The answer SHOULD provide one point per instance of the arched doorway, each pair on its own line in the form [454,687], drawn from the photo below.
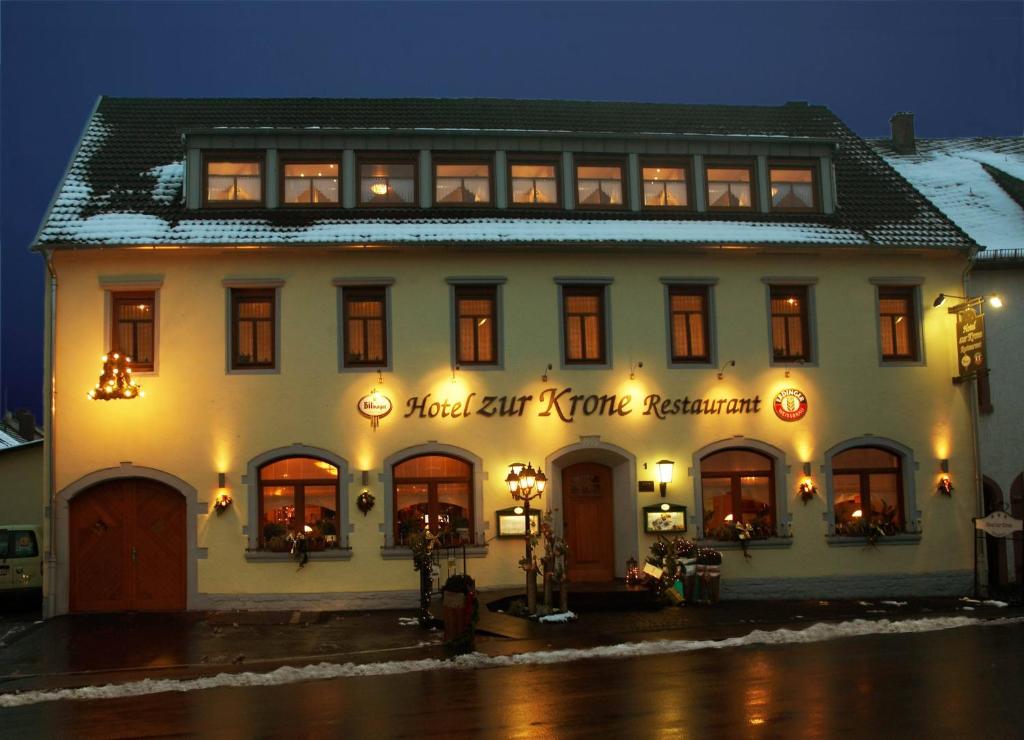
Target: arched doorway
[588,521]
[127,545]
[995,548]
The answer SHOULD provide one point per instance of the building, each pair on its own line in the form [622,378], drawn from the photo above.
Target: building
[21,470]
[979,184]
[326,298]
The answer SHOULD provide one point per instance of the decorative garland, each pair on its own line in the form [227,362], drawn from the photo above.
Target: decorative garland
[116,380]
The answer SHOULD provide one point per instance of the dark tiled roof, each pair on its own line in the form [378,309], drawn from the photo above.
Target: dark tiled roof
[124,185]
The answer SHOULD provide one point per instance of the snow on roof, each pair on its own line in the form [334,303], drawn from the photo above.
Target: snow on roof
[952,174]
[126,182]
[144,229]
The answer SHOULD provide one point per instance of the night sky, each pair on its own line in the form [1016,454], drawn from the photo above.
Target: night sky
[957,66]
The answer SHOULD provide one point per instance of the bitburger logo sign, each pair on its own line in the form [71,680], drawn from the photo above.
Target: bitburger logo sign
[790,404]
[374,406]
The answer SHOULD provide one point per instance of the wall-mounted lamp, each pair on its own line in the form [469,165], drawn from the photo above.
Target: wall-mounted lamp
[790,367]
[365,477]
[993,300]
[380,378]
[544,374]
[633,367]
[455,369]
[721,373]
[945,485]
[807,489]
[223,500]
[664,475]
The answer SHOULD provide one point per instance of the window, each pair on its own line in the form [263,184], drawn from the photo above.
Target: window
[534,183]
[476,324]
[433,492]
[387,183]
[584,324]
[665,185]
[688,314]
[738,486]
[790,333]
[897,324]
[730,186]
[132,331]
[311,183]
[462,183]
[365,320]
[794,187]
[867,491]
[599,186]
[253,318]
[298,494]
[234,181]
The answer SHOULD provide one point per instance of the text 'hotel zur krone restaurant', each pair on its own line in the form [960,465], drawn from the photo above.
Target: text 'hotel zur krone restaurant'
[341,321]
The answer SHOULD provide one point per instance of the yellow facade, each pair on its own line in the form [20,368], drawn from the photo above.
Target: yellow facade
[197,419]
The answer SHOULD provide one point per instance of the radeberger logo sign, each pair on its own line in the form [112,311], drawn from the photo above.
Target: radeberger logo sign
[790,405]
[374,406]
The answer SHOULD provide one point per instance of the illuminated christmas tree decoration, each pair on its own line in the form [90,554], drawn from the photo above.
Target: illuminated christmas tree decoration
[116,380]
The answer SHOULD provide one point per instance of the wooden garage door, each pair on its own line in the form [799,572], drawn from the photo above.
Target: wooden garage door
[127,540]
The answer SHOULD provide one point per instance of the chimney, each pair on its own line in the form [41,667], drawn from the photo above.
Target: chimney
[26,424]
[903,133]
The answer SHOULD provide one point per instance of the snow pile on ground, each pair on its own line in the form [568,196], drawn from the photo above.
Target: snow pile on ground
[11,633]
[815,633]
[408,621]
[563,617]
[895,603]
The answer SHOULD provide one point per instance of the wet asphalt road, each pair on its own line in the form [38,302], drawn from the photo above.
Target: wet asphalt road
[967,683]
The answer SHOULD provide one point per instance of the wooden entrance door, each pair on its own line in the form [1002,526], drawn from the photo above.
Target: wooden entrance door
[127,547]
[589,521]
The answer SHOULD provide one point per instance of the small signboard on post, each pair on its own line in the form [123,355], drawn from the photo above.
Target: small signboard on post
[999,524]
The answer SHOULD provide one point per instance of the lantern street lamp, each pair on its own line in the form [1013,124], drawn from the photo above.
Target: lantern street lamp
[526,484]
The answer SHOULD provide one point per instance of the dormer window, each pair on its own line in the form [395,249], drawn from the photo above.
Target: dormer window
[234,180]
[534,183]
[463,183]
[794,186]
[599,185]
[730,186]
[665,184]
[387,182]
[311,183]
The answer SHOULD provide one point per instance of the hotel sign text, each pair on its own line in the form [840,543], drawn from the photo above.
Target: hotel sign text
[565,405]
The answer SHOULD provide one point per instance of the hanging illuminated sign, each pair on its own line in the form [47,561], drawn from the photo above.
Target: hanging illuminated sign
[970,340]
[374,406]
[790,404]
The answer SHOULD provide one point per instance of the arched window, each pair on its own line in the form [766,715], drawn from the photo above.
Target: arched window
[435,492]
[867,491]
[298,494]
[738,486]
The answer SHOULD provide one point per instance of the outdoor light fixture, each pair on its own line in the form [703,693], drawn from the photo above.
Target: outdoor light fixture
[223,500]
[365,478]
[945,485]
[993,300]
[633,367]
[664,475]
[807,489]
[544,374]
[721,373]
[526,484]
[455,369]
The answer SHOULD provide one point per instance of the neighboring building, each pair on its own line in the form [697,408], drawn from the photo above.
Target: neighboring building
[979,184]
[593,287]
[21,470]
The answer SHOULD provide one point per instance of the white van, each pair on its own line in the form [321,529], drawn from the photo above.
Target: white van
[21,564]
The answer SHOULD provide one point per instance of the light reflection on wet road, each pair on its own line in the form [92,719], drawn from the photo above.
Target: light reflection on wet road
[960,683]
